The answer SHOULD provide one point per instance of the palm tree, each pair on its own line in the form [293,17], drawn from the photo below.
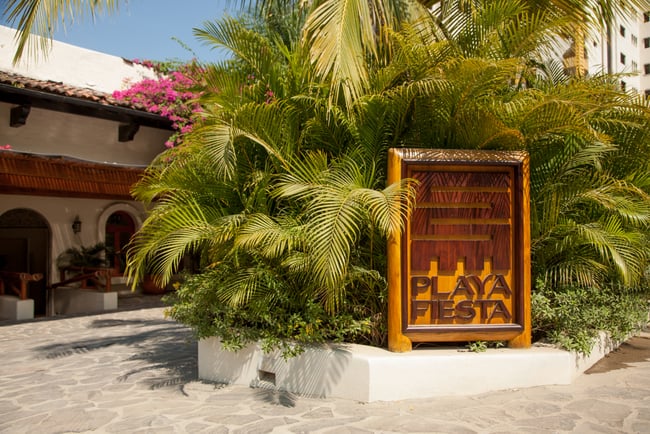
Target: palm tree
[590,205]
[587,140]
[283,195]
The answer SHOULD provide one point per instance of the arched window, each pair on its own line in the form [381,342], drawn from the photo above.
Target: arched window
[120,227]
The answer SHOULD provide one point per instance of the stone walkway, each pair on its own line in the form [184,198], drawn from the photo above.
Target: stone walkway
[135,372]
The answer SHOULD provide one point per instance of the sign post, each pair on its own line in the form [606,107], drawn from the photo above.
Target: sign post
[460,271]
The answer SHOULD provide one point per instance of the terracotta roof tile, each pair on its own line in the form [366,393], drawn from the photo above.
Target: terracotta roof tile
[22,173]
[63,89]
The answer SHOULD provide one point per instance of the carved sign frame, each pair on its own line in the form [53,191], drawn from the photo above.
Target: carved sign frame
[460,271]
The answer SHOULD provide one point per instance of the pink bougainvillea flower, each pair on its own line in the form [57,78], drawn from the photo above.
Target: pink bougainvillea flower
[169,96]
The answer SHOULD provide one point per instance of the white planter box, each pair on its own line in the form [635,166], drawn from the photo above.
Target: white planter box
[67,300]
[13,308]
[369,374]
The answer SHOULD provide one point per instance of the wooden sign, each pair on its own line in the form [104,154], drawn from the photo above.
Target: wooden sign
[461,269]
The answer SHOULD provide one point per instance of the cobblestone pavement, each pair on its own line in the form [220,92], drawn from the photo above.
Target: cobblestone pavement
[135,372]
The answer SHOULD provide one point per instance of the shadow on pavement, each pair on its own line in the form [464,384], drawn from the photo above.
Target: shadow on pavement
[169,354]
[634,350]
[276,397]
[103,323]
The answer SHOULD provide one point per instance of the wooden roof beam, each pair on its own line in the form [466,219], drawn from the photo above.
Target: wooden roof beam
[18,115]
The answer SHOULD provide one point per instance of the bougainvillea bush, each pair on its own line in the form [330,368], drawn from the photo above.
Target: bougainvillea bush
[172,94]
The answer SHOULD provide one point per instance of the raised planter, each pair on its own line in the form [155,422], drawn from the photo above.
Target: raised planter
[13,308]
[367,374]
[71,300]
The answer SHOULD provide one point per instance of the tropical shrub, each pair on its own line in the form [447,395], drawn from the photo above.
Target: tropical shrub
[288,323]
[83,256]
[572,318]
[281,186]
[283,196]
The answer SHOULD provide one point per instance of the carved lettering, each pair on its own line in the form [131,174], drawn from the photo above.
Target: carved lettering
[446,309]
[419,284]
[443,306]
[479,284]
[499,309]
[465,310]
[419,308]
[463,285]
[482,308]
[500,285]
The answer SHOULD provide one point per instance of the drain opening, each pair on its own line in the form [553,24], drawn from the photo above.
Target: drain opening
[268,377]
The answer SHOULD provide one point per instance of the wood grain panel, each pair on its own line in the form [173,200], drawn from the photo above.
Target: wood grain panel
[464,250]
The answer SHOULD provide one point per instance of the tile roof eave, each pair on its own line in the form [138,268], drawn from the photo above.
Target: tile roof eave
[42,175]
[20,90]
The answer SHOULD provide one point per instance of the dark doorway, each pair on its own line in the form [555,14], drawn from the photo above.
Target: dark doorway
[120,227]
[25,248]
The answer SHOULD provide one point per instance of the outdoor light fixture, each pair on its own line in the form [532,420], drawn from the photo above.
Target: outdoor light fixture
[76,225]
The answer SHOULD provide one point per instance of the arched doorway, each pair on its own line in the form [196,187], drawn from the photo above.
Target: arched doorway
[25,247]
[120,227]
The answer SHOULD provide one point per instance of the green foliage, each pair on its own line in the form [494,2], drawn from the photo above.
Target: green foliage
[283,320]
[477,346]
[572,317]
[281,187]
[283,196]
[83,256]
[482,346]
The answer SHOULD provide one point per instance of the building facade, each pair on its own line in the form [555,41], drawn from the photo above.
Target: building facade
[70,155]
[623,48]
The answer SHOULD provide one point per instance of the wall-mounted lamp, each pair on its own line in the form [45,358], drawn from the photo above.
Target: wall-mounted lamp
[76,225]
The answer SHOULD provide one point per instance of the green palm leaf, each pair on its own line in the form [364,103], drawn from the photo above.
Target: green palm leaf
[42,18]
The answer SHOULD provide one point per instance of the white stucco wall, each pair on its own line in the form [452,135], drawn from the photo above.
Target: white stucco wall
[61,212]
[56,133]
[72,65]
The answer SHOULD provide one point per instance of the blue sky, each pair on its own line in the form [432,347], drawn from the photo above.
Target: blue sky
[150,29]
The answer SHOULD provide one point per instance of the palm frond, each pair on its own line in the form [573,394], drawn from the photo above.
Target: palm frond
[339,207]
[269,237]
[37,20]
[247,45]
[171,232]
